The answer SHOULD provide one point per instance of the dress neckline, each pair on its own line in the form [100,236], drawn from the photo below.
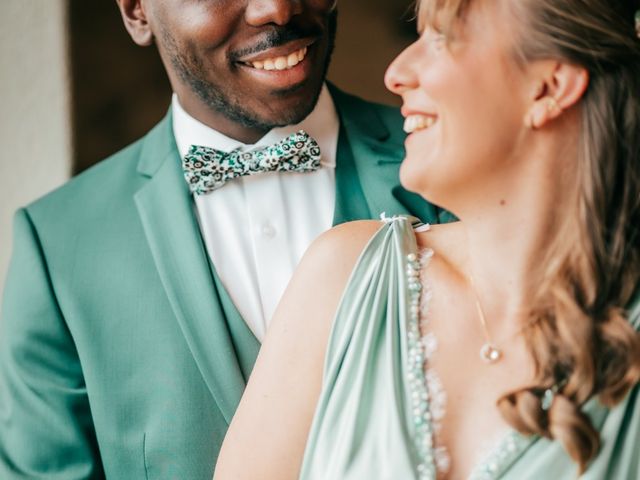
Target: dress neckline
[425,402]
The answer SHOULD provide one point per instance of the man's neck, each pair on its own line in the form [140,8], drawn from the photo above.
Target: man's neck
[222,124]
[322,123]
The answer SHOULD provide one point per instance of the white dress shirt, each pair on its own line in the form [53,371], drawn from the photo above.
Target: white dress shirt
[257,228]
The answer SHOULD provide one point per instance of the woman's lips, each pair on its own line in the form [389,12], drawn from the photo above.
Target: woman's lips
[415,122]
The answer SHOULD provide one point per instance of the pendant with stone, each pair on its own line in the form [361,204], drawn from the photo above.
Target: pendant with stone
[490,353]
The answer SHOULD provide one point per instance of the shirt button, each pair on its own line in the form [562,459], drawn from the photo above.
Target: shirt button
[268,230]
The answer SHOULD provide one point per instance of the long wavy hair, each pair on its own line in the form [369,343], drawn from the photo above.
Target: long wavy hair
[580,340]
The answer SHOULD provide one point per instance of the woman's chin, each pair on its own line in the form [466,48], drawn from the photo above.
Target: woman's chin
[414,176]
[427,186]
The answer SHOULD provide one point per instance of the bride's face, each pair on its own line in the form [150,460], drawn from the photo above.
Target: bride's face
[464,100]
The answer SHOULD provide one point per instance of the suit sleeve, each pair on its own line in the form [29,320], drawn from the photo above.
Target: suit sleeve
[46,430]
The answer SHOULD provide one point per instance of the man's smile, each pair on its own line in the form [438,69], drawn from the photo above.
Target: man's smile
[283,67]
[279,58]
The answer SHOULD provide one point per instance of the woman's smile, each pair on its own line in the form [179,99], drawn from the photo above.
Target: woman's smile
[419,121]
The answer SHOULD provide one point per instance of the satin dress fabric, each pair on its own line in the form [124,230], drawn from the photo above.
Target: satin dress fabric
[364,425]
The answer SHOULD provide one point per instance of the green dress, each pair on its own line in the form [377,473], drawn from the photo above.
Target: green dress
[374,416]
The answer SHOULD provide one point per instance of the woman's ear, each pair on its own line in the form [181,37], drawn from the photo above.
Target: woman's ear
[135,20]
[559,87]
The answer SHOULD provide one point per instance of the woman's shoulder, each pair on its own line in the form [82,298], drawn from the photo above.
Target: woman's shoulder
[343,244]
[359,231]
[331,258]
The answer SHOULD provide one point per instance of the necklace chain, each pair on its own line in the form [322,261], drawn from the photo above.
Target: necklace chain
[489,352]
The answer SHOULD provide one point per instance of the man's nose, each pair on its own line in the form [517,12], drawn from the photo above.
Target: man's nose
[278,12]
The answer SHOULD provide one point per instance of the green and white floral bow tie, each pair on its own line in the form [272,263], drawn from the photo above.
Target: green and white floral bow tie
[207,169]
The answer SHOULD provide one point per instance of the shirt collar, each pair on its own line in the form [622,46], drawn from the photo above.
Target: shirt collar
[322,124]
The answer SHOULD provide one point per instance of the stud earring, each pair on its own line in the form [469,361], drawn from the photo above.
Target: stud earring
[552,105]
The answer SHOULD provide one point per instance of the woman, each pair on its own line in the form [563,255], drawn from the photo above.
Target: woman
[497,346]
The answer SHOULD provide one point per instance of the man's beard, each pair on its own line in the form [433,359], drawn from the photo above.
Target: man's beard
[192,71]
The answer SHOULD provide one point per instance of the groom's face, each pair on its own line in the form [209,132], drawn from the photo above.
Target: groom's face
[246,64]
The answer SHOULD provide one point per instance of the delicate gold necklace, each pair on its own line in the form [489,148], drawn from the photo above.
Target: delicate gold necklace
[489,352]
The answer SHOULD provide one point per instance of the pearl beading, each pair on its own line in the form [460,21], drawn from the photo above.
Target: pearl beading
[422,403]
[493,465]
[420,398]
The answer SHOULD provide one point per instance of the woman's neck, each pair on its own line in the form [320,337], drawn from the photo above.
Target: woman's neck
[507,224]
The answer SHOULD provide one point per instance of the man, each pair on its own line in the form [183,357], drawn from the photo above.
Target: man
[134,306]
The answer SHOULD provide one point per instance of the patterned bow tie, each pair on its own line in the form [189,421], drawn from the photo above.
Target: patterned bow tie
[207,169]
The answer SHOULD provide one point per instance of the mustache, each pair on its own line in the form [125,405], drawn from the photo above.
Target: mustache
[276,37]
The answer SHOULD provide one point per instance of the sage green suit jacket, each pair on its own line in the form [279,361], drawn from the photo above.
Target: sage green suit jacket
[121,355]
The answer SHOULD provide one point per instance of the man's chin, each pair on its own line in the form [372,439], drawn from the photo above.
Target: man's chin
[282,107]
[281,117]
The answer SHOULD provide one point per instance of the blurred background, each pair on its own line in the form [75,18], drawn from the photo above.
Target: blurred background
[75,89]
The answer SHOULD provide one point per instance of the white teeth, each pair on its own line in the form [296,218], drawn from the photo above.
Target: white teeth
[292,60]
[281,63]
[413,123]
[268,65]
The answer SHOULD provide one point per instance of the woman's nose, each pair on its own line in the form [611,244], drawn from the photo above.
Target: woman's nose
[401,74]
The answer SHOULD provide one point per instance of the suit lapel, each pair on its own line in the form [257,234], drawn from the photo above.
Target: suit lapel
[377,154]
[351,203]
[167,213]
